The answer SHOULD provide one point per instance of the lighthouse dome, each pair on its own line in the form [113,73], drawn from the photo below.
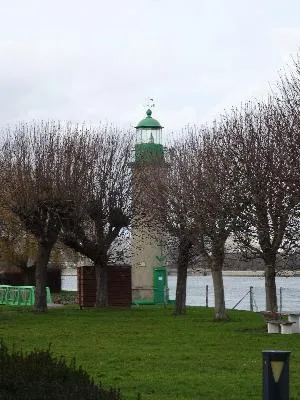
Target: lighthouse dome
[149,122]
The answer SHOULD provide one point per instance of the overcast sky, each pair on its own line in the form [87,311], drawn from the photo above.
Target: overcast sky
[98,60]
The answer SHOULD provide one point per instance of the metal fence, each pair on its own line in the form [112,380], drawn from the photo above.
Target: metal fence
[239,294]
[252,299]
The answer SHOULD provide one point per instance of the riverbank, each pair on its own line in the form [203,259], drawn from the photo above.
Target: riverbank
[258,273]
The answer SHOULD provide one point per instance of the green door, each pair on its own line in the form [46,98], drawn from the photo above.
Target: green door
[160,285]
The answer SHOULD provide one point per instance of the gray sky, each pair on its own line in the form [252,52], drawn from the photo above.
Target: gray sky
[97,60]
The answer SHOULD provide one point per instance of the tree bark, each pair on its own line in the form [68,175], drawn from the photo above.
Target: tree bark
[217,260]
[270,286]
[217,276]
[101,269]
[182,266]
[44,250]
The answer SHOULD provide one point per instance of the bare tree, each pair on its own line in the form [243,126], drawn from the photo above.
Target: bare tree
[35,161]
[179,222]
[162,204]
[196,200]
[104,206]
[217,198]
[269,144]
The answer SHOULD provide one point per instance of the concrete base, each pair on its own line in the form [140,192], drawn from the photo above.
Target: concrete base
[273,327]
[287,328]
[142,293]
[294,318]
[280,326]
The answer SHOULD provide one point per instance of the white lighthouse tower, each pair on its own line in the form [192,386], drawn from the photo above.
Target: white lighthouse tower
[149,275]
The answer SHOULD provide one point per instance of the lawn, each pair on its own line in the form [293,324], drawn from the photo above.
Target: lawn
[147,350]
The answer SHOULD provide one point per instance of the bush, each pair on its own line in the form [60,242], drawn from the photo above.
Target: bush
[39,375]
[65,297]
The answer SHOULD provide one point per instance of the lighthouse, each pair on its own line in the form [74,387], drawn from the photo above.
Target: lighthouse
[149,274]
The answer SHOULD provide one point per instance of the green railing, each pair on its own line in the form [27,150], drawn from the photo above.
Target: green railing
[20,295]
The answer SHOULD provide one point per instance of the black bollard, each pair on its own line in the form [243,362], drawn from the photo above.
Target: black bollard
[276,375]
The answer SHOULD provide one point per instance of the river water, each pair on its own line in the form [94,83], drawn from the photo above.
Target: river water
[237,287]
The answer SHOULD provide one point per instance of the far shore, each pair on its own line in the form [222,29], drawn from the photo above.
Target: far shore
[243,273]
[259,273]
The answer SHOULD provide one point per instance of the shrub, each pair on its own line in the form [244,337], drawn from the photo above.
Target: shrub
[40,375]
[65,297]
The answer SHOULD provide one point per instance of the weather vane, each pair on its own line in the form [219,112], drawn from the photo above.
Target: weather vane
[150,103]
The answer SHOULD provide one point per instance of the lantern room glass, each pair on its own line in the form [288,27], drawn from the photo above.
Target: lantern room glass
[148,135]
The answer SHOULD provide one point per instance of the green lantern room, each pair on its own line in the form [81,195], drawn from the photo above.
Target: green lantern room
[148,144]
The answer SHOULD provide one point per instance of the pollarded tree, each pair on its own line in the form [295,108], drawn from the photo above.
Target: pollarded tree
[196,201]
[163,203]
[269,161]
[218,200]
[104,206]
[41,170]
[179,220]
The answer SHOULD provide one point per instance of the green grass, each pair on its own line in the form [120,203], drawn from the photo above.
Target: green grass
[149,351]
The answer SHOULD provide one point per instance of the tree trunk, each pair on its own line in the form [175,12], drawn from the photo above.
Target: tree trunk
[217,276]
[181,289]
[101,282]
[182,266]
[217,261]
[270,286]
[44,250]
